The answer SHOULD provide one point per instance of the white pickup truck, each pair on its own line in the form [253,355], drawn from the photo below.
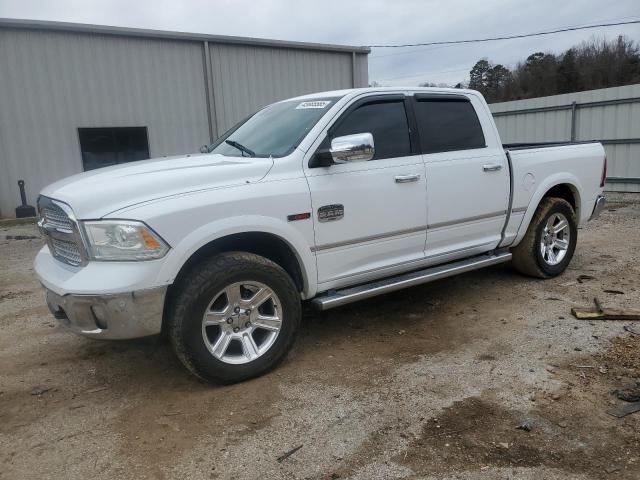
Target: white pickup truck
[332,198]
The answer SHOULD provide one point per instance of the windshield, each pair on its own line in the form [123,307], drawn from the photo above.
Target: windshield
[274,131]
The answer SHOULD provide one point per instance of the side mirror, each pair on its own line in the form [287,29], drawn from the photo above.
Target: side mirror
[204,149]
[352,148]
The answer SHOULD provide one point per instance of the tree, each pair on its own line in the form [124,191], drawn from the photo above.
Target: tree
[590,65]
[489,79]
[568,77]
[498,79]
[478,75]
[538,76]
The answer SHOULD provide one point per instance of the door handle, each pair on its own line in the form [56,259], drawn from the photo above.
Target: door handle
[408,178]
[492,167]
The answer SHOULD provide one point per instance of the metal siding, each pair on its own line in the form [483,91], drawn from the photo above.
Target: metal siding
[552,126]
[362,70]
[91,81]
[246,78]
[601,122]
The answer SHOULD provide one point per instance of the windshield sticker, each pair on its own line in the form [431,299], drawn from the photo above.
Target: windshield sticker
[314,104]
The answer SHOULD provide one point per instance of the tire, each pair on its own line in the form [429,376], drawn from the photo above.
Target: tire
[222,352]
[529,256]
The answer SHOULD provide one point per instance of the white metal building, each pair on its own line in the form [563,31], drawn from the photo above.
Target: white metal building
[75,97]
[610,115]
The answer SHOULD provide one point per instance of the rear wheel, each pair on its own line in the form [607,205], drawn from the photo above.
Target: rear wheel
[548,246]
[234,317]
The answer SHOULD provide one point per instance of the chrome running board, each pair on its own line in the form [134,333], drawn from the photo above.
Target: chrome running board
[336,298]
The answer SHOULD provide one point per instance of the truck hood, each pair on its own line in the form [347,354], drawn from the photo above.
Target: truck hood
[99,192]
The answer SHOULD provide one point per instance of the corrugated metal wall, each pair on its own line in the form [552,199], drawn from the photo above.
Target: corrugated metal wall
[611,115]
[247,77]
[53,82]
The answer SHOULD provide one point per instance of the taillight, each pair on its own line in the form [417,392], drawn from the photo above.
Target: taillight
[604,173]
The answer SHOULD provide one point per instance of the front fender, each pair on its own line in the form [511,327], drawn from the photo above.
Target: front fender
[215,230]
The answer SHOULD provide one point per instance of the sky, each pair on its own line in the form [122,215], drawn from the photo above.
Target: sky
[371,22]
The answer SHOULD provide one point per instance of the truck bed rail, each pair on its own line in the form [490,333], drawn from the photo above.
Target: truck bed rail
[525,146]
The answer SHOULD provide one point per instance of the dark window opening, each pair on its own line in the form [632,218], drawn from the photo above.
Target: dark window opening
[386,121]
[448,125]
[102,147]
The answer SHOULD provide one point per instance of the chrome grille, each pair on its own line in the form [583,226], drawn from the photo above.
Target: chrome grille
[66,251]
[55,217]
[60,228]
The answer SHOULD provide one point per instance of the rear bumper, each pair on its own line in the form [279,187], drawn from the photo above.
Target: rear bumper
[110,317]
[598,207]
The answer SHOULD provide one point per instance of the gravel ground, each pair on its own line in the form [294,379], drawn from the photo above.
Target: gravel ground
[428,383]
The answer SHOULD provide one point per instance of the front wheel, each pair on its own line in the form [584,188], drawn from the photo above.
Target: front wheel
[234,317]
[548,246]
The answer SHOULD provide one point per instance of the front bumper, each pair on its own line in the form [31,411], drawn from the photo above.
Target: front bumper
[110,316]
[598,207]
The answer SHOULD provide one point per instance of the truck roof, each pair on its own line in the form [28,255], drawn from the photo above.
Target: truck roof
[342,93]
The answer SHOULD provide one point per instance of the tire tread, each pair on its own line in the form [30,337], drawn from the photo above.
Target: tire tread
[195,283]
[524,257]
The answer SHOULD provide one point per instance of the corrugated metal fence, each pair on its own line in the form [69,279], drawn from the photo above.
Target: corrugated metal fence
[610,115]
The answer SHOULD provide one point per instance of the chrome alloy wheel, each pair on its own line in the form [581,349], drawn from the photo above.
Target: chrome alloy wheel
[242,322]
[555,239]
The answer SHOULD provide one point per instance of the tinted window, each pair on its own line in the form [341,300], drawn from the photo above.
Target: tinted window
[273,131]
[386,121]
[102,147]
[448,125]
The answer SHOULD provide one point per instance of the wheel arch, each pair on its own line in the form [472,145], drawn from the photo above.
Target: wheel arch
[558,186]
[261,243]
[279,241]
[565,191]
[265,244]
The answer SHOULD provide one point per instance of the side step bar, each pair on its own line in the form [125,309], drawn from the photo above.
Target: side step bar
[338,298]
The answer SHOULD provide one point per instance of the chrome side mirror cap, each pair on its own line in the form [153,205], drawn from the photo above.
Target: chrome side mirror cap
[352,148]
[204,149]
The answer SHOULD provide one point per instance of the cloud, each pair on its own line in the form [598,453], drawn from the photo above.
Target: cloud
[363,23]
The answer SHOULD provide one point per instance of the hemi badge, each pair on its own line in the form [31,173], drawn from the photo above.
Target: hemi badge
[299,216]
[330,213]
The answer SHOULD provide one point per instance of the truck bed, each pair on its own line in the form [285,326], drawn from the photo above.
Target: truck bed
[538,167]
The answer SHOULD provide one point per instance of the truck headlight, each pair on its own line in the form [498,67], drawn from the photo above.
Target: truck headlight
[123,240]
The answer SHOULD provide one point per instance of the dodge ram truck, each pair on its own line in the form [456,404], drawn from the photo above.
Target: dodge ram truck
[329,198]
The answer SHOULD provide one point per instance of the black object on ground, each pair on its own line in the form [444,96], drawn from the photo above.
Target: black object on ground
[582,278]
[630,393]
[624,410]
[21,237]
[288,454]
[24,210]
[526,426]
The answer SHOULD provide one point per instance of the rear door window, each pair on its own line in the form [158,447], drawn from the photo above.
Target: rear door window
[448,124]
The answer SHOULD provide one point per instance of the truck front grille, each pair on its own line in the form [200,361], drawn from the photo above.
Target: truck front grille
[61,232]
[68,252]
[56,218]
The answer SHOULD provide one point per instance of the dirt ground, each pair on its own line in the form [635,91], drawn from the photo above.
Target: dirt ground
[427,383]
